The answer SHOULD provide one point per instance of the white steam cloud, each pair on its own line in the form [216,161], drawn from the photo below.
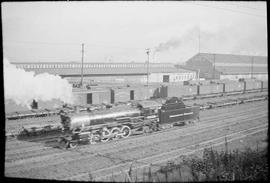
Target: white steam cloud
[22,87]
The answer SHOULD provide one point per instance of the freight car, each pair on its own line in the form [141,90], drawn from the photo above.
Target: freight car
[145,117]
[187,92]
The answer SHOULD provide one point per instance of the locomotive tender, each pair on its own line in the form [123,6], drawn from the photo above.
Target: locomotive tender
[144,117]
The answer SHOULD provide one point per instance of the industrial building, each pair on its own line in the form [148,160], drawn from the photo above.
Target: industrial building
[227,66]
[112,72]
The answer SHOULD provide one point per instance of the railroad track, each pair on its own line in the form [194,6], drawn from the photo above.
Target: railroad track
[210,119]
[203,128]
[146,160]
[84,151]
[52,113]
[218,114]
[207,105]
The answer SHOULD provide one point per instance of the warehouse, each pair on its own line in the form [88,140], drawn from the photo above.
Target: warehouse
[112,72]
[227,66]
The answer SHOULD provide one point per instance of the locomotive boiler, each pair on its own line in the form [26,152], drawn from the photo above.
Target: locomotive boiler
[112,124]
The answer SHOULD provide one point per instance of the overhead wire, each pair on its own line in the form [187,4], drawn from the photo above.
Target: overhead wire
[227,9]
[58,43]
[241,5]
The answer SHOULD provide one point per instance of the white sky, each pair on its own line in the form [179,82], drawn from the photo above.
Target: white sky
[121,31]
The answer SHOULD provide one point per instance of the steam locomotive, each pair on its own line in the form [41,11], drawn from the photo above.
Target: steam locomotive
[142,117]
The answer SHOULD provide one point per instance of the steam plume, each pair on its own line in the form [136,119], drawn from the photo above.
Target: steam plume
[190,35]
[22,87]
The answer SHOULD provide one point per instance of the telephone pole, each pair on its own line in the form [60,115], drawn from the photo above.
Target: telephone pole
[82,64]
[252,60]
[214,66]
[147,52]
[199,40]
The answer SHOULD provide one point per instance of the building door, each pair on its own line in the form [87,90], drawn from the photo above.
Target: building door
[131,94]
[166,78]
[112,96]
[89,98]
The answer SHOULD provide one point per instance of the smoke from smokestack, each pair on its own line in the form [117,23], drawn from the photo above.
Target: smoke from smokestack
[22,87]
[221,40]
[173,43]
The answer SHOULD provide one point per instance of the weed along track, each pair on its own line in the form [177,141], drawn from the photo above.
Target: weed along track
[160,159]
[34,160]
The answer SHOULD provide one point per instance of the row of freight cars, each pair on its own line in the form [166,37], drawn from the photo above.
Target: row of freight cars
[91,99]
[122,121]
[124,94]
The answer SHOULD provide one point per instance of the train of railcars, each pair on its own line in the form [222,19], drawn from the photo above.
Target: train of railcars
[217,88]
[145,117]
[146,113]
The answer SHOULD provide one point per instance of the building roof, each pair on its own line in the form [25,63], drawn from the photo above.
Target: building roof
[228,63]
[94,69]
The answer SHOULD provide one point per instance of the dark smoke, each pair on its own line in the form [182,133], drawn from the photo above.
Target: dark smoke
[190,35]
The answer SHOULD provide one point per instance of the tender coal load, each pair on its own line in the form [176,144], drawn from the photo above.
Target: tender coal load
[173,103]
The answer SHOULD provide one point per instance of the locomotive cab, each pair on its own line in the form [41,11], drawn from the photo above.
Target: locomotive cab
[149,109]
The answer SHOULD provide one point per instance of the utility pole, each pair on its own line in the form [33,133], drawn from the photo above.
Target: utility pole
[199,40]
[82,65]
[252,59]
[147,52]
[214,66]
